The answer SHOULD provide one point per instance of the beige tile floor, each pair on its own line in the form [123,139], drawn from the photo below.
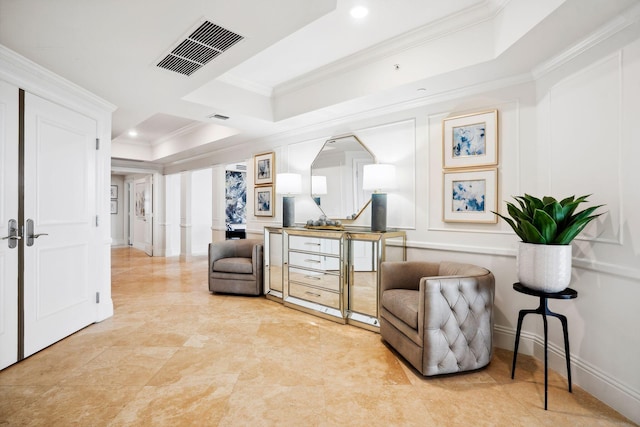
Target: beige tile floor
[173,354]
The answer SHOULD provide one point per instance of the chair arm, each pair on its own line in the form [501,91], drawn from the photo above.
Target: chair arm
[257,256]
[458,321]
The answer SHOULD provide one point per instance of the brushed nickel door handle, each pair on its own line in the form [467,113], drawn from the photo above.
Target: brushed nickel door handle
[13,236]
[30,235]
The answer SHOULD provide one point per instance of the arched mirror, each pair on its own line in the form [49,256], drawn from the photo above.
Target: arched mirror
[336,177]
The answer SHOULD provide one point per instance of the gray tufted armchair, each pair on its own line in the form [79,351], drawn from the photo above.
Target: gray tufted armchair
[236,266]
[438,316]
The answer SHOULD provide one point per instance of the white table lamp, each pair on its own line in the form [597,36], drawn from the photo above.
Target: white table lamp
[288,184]
[318,187]
[379,178]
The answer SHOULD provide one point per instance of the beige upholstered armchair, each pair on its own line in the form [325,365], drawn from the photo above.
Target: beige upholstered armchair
[235,267]
[438,316]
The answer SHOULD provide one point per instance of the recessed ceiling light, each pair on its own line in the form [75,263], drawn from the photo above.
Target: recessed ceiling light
[133,133]
[359,12]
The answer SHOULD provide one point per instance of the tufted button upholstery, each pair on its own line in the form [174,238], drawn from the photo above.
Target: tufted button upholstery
[444,322]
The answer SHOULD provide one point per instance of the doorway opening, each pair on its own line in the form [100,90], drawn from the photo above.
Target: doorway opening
[236,201]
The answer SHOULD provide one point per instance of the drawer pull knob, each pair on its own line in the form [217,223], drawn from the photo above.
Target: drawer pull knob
[313,294]
[312,260]
[312,277]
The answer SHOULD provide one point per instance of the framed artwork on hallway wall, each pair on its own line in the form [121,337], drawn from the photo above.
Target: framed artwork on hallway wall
[264,168]
[263,201]
[140,200]
[114,191]
[470,140]
[114,207]
[470,195]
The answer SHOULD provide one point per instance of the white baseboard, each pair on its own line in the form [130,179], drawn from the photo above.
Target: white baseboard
[118,242]
[609,390]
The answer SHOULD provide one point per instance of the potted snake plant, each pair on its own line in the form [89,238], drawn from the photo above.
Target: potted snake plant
[547,227]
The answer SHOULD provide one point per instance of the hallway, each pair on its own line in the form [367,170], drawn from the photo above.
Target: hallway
[173,354]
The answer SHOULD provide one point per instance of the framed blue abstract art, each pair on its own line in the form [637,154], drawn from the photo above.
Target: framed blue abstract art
[470,195]
[264,168]
[470,140]
[236,197]
[263,205]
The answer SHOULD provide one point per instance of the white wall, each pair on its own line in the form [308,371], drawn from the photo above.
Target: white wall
[201,216]
[118,237]
[571,131]
[171,225]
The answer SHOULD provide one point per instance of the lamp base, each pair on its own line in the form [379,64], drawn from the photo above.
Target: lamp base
[288,211]
[379,212]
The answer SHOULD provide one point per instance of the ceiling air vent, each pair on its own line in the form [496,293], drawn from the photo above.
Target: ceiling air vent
[201,46]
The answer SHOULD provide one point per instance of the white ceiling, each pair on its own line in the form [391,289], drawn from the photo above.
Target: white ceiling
[293,66]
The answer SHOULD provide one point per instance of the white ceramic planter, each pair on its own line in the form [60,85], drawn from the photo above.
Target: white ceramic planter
[545,268]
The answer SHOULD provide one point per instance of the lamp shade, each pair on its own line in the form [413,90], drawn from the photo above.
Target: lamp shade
[379,177]
[288,183]
[318,185]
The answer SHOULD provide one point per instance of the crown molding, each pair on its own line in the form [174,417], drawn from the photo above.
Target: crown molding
[328,126]
[179,132]
[25,73]
[127,141]
[620,23]
[231,79]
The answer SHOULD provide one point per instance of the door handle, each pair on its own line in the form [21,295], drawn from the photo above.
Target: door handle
[13,236]
[30,235]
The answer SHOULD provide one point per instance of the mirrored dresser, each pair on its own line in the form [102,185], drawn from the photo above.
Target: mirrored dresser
[333,274]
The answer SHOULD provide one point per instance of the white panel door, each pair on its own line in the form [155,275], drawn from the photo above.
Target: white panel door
[143,214]
[60,200]
[8,212]
[148,217]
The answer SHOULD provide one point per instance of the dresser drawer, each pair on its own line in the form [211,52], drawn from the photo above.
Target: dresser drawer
[314,244]
[319,296]
[326,281]
[314,261]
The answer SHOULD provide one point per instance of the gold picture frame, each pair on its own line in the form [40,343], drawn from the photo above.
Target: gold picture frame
[470,140]
[264,168]
[470,196]
[263,201]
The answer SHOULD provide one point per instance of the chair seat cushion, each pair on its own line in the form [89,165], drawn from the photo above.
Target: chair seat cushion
[402,303]
[234,265]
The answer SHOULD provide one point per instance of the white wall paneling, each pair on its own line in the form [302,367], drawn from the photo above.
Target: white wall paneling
[585,137]
[171,223]
[185,214]
[570,133]
[395,143]
[572,130]
[392,143]
[201,213]
[218,201]
[118,237]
